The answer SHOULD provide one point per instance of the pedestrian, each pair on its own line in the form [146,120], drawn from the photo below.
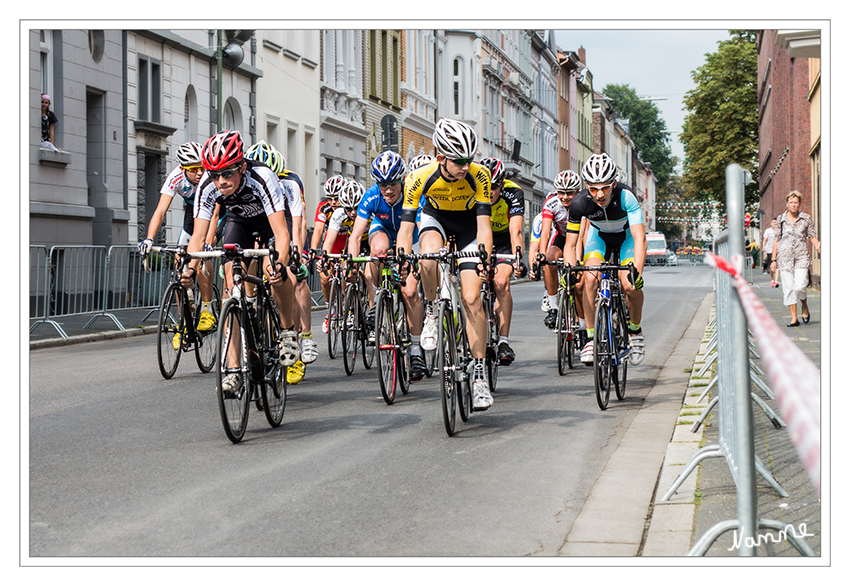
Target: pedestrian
[48,121]
[767,247]
[791,255]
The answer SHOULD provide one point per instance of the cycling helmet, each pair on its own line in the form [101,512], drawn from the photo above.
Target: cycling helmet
[333,186]
[388,167]
[599,169]
[497,169]
[266,154]
[189,154]
[222,151]
[419,161]
[567,181]
[351,194]
[455,139]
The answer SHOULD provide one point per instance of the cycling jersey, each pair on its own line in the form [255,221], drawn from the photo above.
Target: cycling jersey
[511,203]
[462,195]
[259,195]
[294,191]
[343,225]
[554,210]
[609,226]
[177,184]
[385,217]
[537,227]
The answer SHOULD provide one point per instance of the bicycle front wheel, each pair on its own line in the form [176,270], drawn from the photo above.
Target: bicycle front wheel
[621,343]
[402,329]
[274,383]
[492,342]
[334,312]
[386,346]
[170,331]
[602,366]
[562,334]
[367,349]
[350,328]
[446,365]
[232,371]
[205,341]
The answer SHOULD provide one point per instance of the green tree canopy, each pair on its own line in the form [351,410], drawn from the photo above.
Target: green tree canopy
[647,128]
[722,124]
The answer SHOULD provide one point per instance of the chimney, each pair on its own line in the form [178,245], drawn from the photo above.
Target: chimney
[581,56]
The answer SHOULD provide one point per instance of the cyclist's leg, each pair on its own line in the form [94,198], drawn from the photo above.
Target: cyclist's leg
[379,243]
[470,291]
[595,250]
[634,297]
[504,302]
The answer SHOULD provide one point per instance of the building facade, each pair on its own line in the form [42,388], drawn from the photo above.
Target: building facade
[418,92]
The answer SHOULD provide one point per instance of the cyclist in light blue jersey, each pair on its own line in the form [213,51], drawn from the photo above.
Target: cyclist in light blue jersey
[380,211]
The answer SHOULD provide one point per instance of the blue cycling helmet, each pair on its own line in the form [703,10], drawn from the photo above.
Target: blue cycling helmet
[388,167]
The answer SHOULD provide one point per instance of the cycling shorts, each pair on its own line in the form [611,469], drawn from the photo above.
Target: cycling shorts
[601,244]
[242,233]
[392,235]
[462,225]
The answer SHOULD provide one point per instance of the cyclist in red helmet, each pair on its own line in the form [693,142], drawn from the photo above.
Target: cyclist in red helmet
[251,194]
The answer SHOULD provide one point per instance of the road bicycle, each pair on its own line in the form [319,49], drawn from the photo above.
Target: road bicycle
[569,338]
[611,334]
[454,359]
[488,301]
[354,329]
[179,314]
[392,330]
[249,338]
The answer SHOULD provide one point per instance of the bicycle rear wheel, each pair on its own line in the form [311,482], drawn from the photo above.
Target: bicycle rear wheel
[464,369]
[367,350]
[621,343]
[350,328]
[446,364]
[386,346]
[492,342]
[205,342]
[274,383]
[231,359]
[334,312]
[402,329]
[170,330]
[602,366]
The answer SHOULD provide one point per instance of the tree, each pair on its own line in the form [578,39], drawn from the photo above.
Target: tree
[722,124]
[646,127]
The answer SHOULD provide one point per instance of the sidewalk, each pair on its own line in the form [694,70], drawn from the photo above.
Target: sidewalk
[708,496]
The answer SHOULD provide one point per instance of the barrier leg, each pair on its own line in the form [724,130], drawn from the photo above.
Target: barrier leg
[711,451]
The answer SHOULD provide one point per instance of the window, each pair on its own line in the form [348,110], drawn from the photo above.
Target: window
[96,45]
[150,89]
[456,85]
[385,67]
[46,48]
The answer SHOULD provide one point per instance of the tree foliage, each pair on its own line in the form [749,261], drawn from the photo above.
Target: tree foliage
[646,127]
[721,126]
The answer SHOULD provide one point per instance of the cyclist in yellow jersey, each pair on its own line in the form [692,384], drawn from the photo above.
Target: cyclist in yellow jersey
[506,219]
[457,193]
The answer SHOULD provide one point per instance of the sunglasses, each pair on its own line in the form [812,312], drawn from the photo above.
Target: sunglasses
[461,162]
[383,186]
[599,189]
[497,185]
[194,169]
[226,174]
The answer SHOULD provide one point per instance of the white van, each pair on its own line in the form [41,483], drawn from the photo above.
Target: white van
[656,248]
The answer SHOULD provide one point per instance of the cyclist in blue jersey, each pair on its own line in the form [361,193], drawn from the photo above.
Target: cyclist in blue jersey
[380,211]
[615,222]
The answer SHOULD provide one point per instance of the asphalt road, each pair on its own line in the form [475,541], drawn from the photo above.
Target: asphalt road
[124,463]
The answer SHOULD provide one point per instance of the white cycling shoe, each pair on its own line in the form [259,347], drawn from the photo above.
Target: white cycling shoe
[428,340]
[481,397]
[290,351]
[309,350]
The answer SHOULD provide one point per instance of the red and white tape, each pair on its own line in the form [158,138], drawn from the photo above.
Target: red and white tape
[794,378]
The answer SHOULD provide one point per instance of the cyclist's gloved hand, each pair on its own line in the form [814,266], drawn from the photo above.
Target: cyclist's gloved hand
[486,271]
[574,278]
[145,246]
[305,256]
[207,247]
[301,273]
[522,270]
[636,279]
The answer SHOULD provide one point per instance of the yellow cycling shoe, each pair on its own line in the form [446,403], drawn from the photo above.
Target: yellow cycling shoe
[206,321]
[175,341]
[295,373]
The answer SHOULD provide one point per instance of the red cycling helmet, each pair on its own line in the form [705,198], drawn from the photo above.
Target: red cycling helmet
[222,151]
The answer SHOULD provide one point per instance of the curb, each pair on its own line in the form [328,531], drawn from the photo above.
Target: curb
[98,337]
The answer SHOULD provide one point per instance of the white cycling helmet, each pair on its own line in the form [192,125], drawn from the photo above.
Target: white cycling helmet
[351,194]
[455,139]
[567,181]
[333,186]
[189,154]
[419,161]
[599,169]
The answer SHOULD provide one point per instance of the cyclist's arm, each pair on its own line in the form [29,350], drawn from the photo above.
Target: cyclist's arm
[545,230]
[196,244]
[570,240]
[277,221]
[484,234]
[515,227]
[582,239]
[159,214]
[330,238]
[318,228]
[639,236]
[210,237]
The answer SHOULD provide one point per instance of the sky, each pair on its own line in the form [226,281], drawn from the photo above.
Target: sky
[655,63]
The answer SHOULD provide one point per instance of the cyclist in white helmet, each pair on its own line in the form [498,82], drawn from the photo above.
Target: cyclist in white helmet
[615,223]
[331,189]
[457,193]
[183,182]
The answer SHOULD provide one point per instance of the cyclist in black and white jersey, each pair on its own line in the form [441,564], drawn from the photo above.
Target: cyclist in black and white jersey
[251,194]
[615,222]
[183,182]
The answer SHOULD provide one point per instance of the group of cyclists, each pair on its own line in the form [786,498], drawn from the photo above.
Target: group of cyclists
[232,193]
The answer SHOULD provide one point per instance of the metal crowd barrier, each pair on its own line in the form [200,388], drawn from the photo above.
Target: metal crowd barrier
[93,280]
[735,420]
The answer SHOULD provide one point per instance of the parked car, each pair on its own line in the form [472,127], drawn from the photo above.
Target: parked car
[671,259]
